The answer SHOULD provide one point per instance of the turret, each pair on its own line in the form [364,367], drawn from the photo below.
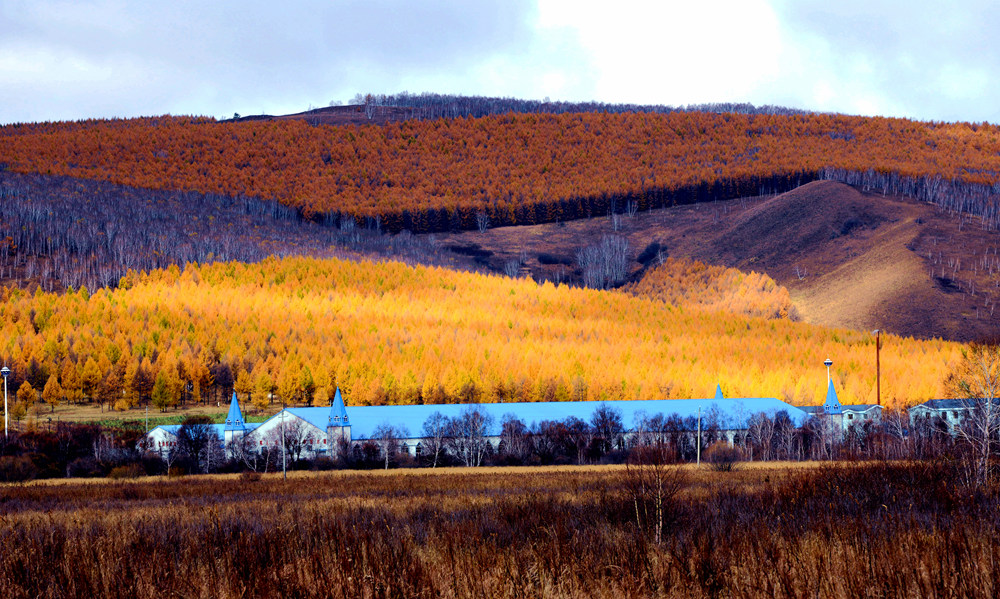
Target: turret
[832,404]
[338,426]
[718,393]
[235,426]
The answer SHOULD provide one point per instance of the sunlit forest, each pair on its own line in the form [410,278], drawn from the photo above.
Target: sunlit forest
[295,329]
[438,174]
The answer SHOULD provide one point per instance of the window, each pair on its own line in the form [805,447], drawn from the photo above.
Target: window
[850,416]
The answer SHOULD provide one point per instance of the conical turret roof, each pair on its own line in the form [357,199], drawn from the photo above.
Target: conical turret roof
[234,419]
[718,392]
[338,411]
[832,404]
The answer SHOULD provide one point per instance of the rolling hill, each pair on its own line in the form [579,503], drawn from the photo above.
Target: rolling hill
[849,259]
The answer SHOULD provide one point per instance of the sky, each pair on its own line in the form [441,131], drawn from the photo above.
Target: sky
[76,59]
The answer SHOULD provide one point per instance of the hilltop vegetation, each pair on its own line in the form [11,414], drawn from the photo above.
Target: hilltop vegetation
[390,333]
[435,175]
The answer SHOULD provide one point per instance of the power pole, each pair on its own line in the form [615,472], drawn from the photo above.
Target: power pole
[284,471]
[4,371]
[698,444]
[878,367]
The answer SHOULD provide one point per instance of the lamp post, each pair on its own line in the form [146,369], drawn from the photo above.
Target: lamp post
[5,371]
[878,366]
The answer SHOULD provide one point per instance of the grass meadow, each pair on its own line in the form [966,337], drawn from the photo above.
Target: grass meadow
[781,530]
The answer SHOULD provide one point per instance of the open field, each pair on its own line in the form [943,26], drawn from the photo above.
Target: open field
[783,531]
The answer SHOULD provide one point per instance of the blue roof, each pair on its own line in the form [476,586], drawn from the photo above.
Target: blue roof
[338,412]
[732,412]
[234,420]
[218,429]
[832,404]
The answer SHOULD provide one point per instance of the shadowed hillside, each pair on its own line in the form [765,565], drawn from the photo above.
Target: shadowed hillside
[848,258]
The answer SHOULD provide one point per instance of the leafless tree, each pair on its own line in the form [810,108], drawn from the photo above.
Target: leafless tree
[761,435]
[976,379]
[606,264]
[435,432]
[631,207]
[467,435]
[653,481]
[388,438]
[482,221]
[514,437]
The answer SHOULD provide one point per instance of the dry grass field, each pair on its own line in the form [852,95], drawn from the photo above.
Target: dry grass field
[774,531]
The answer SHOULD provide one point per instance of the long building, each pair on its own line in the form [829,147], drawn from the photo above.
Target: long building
[320,431]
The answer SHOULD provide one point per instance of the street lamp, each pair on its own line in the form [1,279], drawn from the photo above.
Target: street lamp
[5,371]
[878,366]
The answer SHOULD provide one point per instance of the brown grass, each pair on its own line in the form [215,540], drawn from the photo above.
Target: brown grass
[774,530]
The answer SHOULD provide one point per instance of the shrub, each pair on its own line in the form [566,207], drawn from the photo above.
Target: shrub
[723,457]
[127,471]
[647,255]
[16,469]
[249,476]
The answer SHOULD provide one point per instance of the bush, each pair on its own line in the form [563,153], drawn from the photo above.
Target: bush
[126,471]
[549,259]
[647,255]
[16,469]
[249,476]
[87,467]
[723,457]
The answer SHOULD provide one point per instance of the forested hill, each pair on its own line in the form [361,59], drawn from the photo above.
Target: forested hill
[391,333]
[513,169]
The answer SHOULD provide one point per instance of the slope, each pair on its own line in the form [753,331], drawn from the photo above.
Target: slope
[850,259]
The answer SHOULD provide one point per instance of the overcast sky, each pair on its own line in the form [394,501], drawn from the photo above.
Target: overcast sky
[115,58]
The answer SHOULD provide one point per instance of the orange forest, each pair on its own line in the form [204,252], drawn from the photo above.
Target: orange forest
[391,333]
[516,169]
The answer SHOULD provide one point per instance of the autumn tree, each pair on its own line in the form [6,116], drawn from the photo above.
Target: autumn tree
[52,393]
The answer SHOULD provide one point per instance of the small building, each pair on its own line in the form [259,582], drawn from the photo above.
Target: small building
[842,416]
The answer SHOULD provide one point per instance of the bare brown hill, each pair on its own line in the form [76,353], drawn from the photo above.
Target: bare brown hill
[851,259]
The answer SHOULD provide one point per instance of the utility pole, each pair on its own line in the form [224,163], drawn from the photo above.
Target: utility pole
[878,366]
[4,371]
[698,444]
[284,471]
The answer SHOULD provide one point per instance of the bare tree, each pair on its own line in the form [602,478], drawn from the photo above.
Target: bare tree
[606,264]
[467,435]
[435,432]
[388,438]
[761,434]
[976,379]
[608,428]
[482,221]
[653,481]
[514,437]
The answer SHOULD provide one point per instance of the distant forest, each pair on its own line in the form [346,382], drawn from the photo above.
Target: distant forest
[513,169]
[435,106]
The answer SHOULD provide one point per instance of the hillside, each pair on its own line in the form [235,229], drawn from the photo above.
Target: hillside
[849,259]
[516,169]
[389,333]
